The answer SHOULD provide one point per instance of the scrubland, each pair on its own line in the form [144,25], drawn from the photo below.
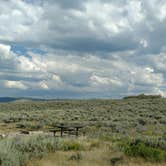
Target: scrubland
[130,131]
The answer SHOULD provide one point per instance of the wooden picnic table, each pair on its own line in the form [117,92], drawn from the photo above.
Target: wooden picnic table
[66,128]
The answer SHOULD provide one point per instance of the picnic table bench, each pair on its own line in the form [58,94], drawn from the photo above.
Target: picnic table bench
[70,129]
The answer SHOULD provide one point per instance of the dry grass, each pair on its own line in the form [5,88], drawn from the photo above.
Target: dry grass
[7,128]
[100,155]
[94,158]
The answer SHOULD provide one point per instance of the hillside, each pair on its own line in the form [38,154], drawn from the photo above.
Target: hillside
[15,99]
[130,127]
[140,115]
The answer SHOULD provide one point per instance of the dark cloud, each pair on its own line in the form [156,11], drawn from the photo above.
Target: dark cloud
[90,44]
[70,4]
[66,4]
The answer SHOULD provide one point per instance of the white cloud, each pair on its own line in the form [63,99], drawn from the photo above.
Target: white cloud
[56,78]
[33,64]
[104,81]
[15,84]
[17,18]
[89,73]
[144,43]
[149,69]
[43,85]
[5,51]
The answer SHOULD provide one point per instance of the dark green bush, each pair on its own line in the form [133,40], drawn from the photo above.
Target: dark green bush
[143,96]
[115,160]
[72,145]
[139,149]
[77,157]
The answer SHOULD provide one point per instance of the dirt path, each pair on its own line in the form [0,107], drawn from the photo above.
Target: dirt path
[24,133]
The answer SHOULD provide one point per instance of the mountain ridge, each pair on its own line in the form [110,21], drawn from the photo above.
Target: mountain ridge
[13,99]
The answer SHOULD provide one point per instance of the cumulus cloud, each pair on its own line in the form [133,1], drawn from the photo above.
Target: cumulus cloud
[96,80]
[15,84]
[90,74]
[5,51]
[114,26]
[91,48]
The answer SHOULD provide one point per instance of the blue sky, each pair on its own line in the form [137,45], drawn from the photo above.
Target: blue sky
[82,49]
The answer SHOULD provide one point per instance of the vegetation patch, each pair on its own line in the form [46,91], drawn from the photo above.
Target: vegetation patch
[139,120]
[141,149]
[17,151]
[115,160]
[68,145]
[76,157]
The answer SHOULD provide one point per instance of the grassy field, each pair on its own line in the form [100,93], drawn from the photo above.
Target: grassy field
[130,131]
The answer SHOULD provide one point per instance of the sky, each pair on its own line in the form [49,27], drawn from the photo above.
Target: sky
[82,48]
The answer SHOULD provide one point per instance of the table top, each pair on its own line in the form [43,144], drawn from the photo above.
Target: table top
[69,126]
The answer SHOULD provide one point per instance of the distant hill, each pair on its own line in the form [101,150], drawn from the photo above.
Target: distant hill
[13,99]
[143,96]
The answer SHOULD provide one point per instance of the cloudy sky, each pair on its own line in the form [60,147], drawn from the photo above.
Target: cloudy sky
[82,48]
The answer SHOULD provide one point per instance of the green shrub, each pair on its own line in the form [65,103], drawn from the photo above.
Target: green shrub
[17,151]
[139,149]
[76,157]
[115,160]
[72,145]
[94,144]
[29,125]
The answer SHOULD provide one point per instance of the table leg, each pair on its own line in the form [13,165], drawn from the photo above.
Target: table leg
[77,132]
[61,132]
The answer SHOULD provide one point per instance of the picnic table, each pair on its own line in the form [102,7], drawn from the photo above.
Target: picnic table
[66,128]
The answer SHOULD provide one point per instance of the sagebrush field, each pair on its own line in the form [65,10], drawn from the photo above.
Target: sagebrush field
[130,131]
